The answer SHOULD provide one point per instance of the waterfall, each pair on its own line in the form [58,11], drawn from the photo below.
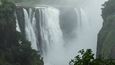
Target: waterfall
[42,29]
[84,30]
[51,34]
[17,25]
[29,27]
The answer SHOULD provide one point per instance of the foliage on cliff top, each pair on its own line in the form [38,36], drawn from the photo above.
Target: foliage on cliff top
[109,9]
[19,1]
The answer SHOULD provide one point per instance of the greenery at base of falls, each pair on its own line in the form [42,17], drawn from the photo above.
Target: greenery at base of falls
[106,36]
[14,48]
[87,58]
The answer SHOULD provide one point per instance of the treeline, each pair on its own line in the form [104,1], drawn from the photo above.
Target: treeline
[14,48]
[19,1]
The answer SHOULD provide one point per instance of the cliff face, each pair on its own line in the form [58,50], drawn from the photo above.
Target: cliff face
[106,39]
[106,36]
[14,49]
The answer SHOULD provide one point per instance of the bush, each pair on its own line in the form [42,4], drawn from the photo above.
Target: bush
[87,58]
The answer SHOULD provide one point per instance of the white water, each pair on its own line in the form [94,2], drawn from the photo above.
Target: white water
[51,35]
[17,25]
[52,38]
[29,27]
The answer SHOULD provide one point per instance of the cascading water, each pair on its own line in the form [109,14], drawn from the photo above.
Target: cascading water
[29,27]
[17,25]
[51,35]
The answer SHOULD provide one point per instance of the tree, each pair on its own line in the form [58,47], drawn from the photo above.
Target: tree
[87,58]
[108,9]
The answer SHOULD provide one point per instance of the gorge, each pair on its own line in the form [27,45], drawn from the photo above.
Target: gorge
[57,33]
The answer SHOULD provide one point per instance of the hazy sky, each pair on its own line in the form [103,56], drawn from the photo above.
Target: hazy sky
[60,3]
[68,3]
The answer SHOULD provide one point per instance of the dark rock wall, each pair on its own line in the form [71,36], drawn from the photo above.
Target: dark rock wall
[106,36]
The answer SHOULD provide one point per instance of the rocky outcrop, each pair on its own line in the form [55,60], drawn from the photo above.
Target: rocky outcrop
[106,39]
[106,36]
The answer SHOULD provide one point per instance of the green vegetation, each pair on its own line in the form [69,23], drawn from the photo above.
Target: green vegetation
[14,48]
[106,42]
[19,1]
[87,58]
[108,9]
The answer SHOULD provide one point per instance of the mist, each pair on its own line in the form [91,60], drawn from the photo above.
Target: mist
[80,22]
